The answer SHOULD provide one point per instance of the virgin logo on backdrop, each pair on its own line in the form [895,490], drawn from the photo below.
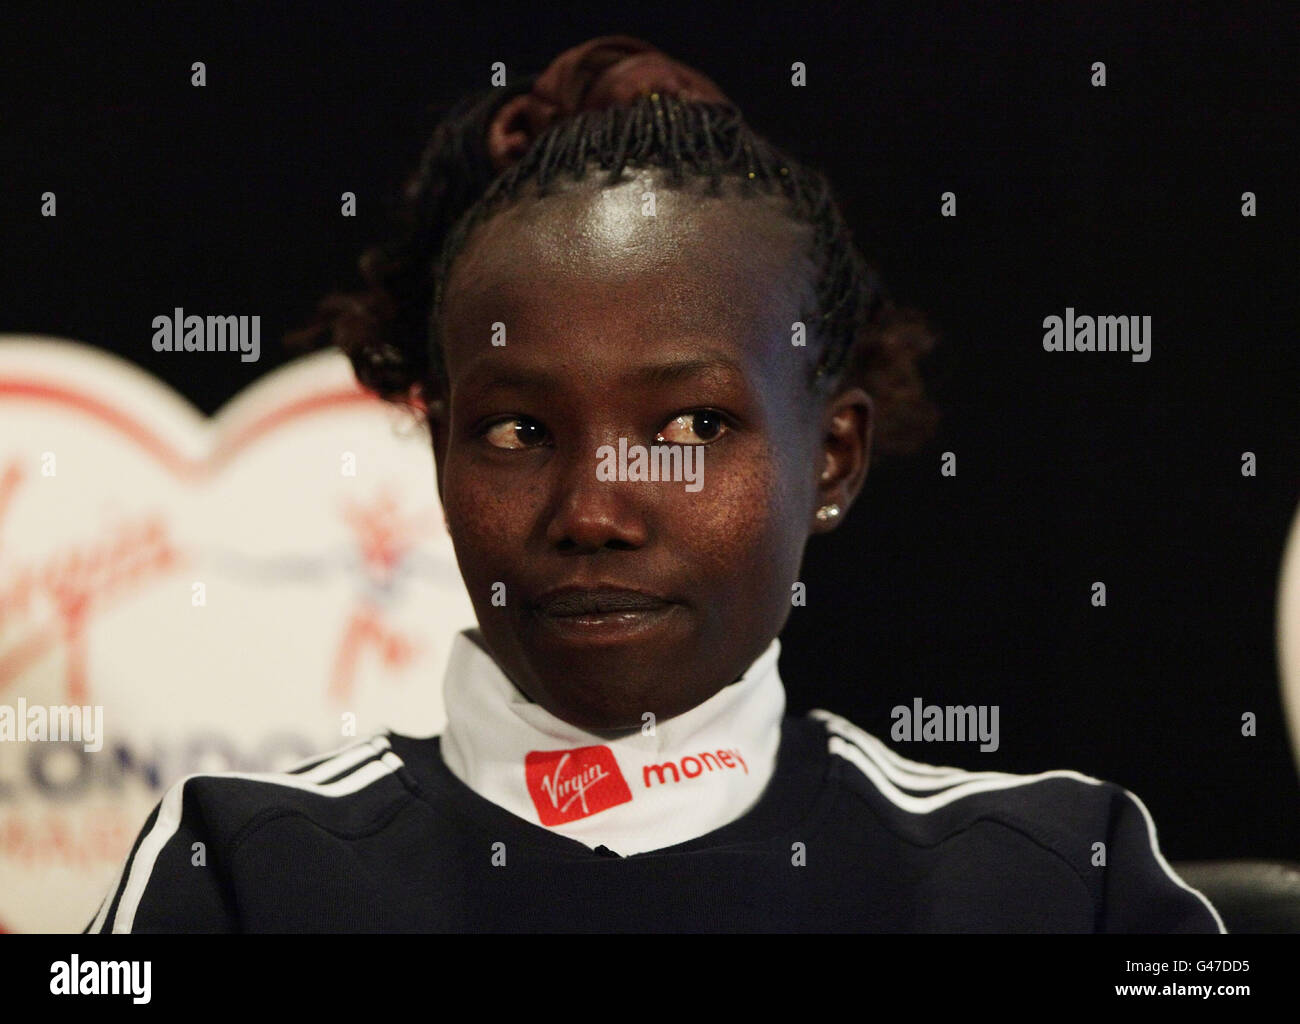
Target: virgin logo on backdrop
[569,784]
[73,581]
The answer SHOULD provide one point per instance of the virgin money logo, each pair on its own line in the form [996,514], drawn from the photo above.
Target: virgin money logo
[569,784]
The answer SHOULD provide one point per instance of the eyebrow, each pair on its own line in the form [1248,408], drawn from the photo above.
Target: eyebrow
[654,374]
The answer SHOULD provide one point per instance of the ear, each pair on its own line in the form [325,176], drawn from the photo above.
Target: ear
[845,455]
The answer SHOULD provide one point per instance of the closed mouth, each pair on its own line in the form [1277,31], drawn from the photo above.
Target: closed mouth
[580,602]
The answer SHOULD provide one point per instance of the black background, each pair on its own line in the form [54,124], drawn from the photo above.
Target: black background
[1072,467]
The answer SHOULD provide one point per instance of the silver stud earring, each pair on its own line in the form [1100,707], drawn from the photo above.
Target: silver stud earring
[828,512]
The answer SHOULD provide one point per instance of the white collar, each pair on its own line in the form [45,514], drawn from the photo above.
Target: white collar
[698,771]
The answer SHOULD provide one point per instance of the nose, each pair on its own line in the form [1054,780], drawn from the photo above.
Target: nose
[590,514]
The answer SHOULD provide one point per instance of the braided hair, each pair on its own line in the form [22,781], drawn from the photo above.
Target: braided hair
[390,331]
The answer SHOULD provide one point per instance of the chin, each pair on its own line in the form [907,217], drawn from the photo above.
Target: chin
[607,678]
[609,700]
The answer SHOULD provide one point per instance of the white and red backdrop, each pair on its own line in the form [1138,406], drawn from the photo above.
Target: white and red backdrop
[236,593]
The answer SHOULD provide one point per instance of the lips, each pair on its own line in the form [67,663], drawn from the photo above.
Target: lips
[580,602]
[602,619]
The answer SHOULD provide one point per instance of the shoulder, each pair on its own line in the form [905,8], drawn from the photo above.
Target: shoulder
[334,784]
[202,820]
[1100,831]
[923,797]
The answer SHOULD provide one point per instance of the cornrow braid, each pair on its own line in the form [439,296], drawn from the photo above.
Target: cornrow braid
[391,332]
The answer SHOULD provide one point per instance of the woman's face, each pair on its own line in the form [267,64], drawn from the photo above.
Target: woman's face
[606,599]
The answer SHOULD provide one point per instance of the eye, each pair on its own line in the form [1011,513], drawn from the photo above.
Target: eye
[704,425]
[515,433]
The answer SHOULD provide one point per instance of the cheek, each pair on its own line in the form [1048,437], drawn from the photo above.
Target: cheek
[743,533]
[489,520]
[740,538]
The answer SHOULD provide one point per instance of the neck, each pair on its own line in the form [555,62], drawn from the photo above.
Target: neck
[629,790]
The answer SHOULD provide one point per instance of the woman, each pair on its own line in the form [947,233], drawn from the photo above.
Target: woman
[653,365]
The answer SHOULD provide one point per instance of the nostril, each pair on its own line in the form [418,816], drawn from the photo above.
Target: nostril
[568,545]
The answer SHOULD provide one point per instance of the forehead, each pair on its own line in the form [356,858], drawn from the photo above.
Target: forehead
[690,260]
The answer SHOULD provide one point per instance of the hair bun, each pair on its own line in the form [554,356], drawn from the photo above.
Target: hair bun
[604,72]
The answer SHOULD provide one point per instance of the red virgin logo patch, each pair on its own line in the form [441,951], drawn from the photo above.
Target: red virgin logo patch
[569,784]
